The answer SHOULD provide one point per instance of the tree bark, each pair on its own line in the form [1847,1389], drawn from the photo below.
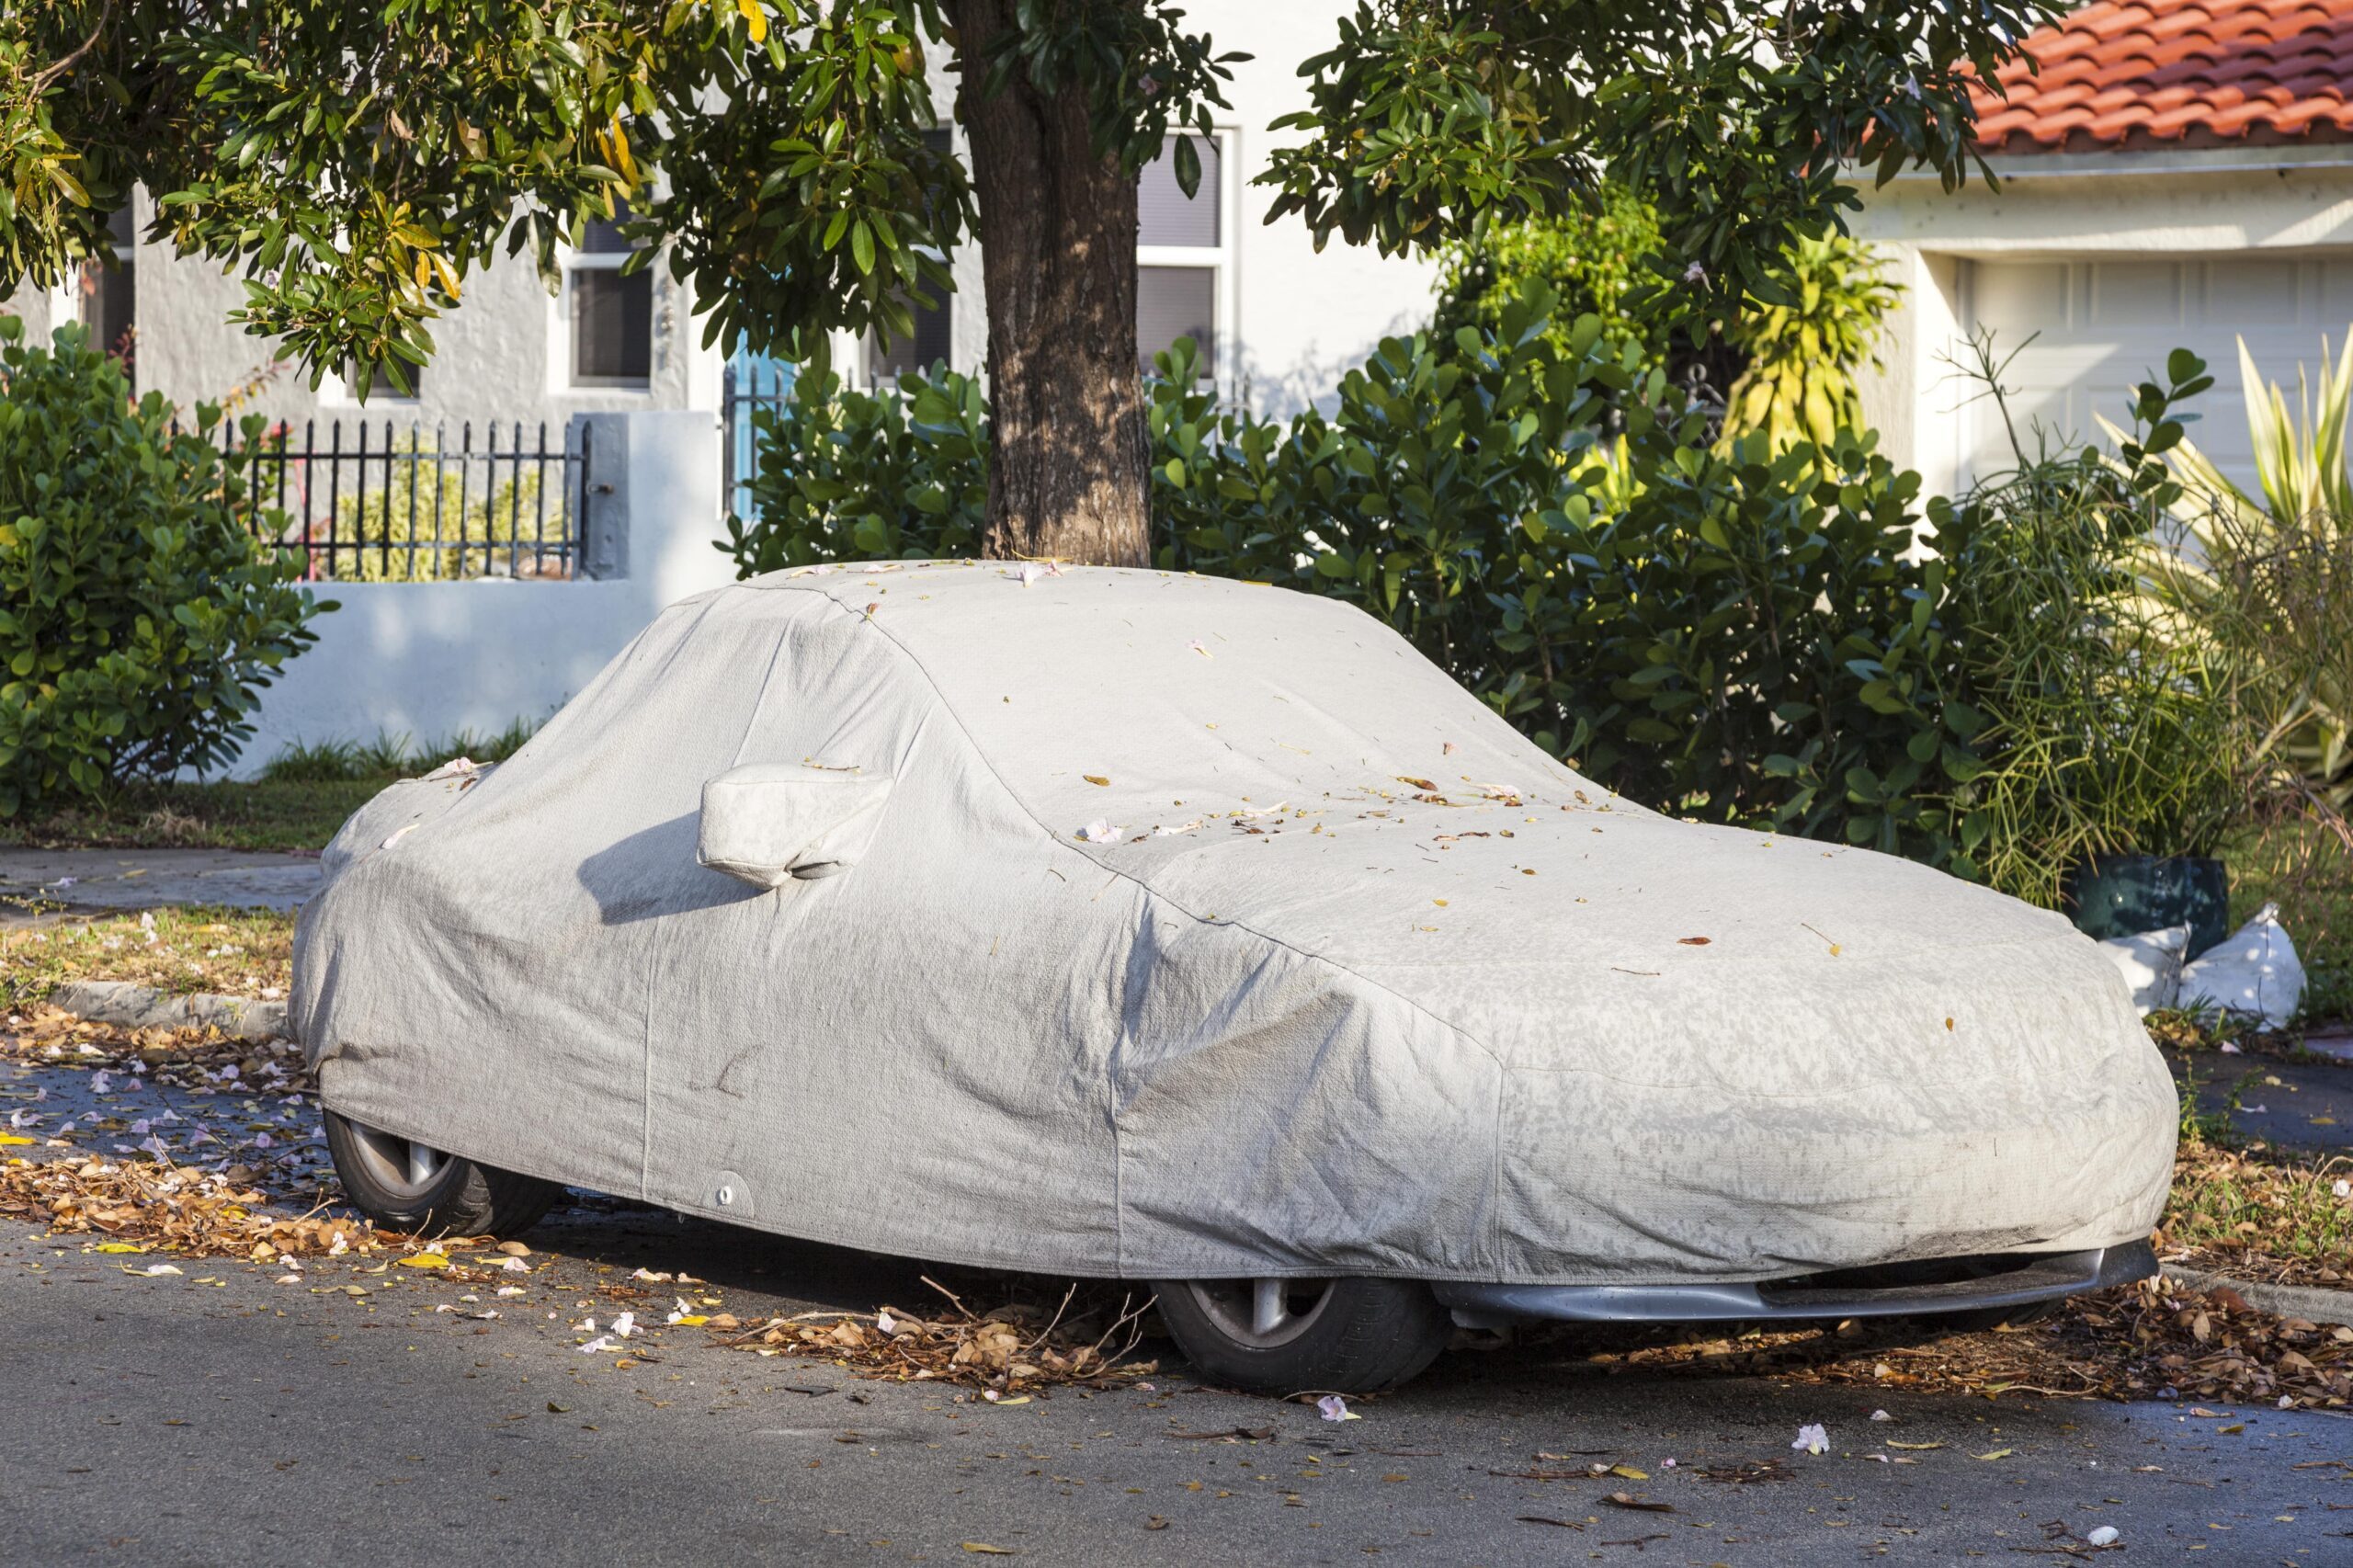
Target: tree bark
[1068,458]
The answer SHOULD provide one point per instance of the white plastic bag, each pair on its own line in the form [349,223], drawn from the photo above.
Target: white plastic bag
[2252,970]
[2150,964]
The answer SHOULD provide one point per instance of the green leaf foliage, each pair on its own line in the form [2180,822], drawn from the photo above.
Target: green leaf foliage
[868,476]
[138,617]
[356,161]
[1784,367]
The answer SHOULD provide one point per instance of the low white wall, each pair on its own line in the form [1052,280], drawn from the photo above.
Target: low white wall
[429,659]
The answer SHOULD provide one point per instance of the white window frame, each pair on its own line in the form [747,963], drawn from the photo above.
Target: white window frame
[65,299]
[562,382]
[858,346]
[1226,291]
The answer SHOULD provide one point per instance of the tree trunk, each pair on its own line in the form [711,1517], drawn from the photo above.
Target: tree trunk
[1067,453]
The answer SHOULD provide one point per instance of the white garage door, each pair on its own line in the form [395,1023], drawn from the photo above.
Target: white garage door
[2106,325]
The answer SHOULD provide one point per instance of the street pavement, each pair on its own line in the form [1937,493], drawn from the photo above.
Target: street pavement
[145,879]
[2295,1104]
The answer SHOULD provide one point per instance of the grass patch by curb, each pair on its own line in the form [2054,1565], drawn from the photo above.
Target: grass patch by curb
[286,815]
[182,950]
[303,796]
[2261,1213]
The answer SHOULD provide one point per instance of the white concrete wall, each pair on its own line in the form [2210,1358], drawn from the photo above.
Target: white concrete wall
[1305,316]
[1909,393]
[429,659]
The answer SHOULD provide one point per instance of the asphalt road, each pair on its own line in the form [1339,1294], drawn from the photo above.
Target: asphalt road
[125,880]
[218,1418]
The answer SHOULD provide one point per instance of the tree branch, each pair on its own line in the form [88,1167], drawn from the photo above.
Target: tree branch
[40,82]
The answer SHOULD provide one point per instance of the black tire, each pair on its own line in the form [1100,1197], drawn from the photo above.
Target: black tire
[446,1196]
[1333,1335]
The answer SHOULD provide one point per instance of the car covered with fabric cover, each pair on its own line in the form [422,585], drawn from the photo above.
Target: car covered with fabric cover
[1132,924]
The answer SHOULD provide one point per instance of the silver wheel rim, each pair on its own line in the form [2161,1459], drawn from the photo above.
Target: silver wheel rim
[403,1167]
[1263,1313]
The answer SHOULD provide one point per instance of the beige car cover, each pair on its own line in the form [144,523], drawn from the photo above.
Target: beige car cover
[1126,922]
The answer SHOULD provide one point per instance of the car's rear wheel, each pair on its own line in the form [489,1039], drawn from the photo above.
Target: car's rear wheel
[1292,1335]
[402,1184]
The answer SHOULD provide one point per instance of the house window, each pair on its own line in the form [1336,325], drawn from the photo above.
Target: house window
[611,316]
[889,357]
[108,295]
[344,385]
[1183,262]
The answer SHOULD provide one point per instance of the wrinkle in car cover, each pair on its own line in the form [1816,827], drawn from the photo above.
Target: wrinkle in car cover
[1207,929]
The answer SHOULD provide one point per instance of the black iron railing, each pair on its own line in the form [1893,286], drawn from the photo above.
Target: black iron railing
[376,502]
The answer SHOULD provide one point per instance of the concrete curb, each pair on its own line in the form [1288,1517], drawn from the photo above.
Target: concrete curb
[130,1006]
[2309,1303]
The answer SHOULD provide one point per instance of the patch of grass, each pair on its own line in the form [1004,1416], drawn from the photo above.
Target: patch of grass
[323,762]
[392,755]
[299,814]
[303,796]
[237,952]
[2261,1213]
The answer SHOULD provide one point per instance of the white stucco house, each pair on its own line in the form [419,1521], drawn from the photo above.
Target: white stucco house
[1283,320]
[2177,173]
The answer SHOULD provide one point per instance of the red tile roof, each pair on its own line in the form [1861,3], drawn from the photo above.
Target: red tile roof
[2161,73]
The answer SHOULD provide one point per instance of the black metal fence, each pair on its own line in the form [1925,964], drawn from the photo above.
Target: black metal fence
[380,504]
[744,390]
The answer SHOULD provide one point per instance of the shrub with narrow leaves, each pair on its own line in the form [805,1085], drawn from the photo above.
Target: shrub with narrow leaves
[138,617]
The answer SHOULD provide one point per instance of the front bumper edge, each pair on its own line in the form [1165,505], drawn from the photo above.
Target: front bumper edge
[2032,1278]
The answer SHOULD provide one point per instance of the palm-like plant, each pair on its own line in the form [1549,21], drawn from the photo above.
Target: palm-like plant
[2272,578]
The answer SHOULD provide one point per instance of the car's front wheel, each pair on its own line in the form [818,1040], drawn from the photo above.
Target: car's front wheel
[1287,1336]
[402,1184]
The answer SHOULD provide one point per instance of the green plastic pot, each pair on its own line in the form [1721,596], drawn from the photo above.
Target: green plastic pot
[2122,895]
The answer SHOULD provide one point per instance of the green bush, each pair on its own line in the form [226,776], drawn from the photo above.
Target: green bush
[854,476]
[1591,257]
[1802,353]
[2107,730]
[2270,578]
[138,618]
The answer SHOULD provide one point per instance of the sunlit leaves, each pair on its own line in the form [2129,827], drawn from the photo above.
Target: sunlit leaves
[1431,117]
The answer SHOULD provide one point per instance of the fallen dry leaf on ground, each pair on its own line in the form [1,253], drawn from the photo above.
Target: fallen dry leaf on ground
[2132,1342]
[1003,1352]
[172,1208]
